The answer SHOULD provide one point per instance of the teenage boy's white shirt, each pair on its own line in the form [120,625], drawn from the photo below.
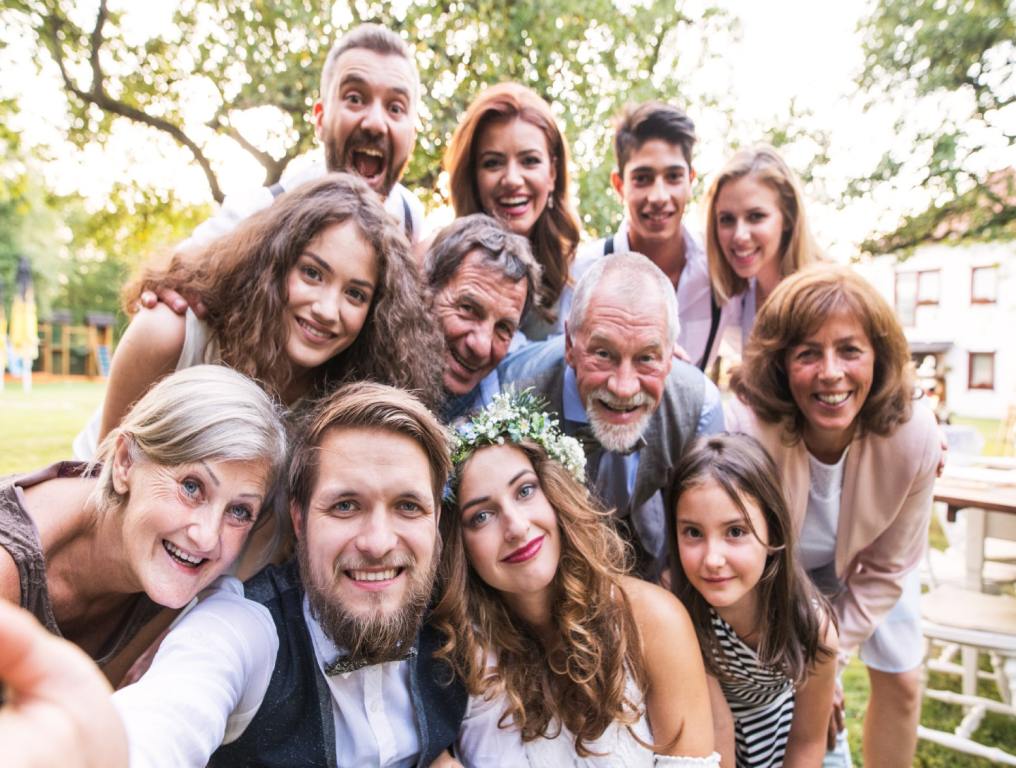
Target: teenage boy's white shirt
[237,207]
[212,671]
[693,289]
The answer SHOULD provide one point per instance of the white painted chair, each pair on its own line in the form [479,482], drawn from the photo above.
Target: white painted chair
[955,619]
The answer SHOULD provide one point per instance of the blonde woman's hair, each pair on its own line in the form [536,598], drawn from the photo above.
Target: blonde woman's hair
[797,247]
[202,413]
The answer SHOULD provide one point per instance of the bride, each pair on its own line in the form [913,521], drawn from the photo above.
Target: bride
[597,668]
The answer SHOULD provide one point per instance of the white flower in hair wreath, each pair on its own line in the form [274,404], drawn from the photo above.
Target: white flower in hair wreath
[513,417]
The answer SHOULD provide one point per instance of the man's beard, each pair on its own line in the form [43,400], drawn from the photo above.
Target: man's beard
[339,157]
[378,636]
[619,438]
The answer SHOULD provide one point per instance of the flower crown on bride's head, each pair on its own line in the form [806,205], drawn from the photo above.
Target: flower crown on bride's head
[513,417]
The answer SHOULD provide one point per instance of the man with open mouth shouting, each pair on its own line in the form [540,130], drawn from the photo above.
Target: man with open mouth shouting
[366,123]
[615,385]
[321,661]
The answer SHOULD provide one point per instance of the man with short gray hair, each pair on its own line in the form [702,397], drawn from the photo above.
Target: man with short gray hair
[483,280]
[614,384]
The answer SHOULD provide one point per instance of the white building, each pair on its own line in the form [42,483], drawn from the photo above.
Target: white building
[957,303]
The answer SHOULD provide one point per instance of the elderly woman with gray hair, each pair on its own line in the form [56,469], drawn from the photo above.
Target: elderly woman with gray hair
[96,551]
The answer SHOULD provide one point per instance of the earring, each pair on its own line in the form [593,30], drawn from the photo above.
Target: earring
[550,202]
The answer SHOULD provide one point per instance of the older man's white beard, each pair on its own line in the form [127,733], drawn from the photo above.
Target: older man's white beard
[378,637]
[617,437]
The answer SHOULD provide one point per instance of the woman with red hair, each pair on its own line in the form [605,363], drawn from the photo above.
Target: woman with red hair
[508,158]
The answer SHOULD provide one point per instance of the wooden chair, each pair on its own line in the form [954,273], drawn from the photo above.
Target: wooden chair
[957,619]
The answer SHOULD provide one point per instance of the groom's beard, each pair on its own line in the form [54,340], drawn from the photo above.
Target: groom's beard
[373,635]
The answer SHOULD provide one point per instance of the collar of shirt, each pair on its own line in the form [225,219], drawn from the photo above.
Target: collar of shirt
[372,708]
[574,410]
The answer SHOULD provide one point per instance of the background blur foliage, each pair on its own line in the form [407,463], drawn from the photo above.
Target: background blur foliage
[228,79]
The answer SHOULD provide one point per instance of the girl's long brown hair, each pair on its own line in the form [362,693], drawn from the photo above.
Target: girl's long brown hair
[555,235]
[792,613]
[241,278]
[580,681]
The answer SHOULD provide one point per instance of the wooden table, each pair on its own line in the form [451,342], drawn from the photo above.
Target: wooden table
[988,499]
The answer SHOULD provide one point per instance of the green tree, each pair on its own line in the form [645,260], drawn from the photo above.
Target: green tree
[79,256]
[946,49]
[586,57]
[109,244]
[30,223]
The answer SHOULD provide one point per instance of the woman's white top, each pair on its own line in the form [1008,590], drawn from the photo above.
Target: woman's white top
[817,546]
[198,347]
[617,747]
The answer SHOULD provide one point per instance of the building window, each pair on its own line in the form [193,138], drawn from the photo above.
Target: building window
[984,285]
[982,370]
[928,286]
[906,297]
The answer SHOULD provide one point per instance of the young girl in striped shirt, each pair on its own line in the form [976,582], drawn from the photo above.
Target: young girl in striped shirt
[765,632]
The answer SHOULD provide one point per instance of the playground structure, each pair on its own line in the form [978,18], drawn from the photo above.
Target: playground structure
[61,342]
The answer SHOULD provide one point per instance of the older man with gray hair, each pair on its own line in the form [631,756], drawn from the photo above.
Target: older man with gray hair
[483,280]
[614,384]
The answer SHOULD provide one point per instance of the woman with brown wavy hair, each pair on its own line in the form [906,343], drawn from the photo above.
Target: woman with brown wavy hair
[316,290]
[827,387]
[508,159]
[596,667]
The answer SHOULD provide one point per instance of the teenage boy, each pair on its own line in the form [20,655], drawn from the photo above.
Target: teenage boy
[653,145]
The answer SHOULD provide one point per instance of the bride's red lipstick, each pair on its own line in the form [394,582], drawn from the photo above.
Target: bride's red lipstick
[526,552]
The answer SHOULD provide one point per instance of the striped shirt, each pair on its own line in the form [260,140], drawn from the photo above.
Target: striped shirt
[761,700]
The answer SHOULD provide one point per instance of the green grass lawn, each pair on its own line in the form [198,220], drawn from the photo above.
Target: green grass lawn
[37,429]
[988,429]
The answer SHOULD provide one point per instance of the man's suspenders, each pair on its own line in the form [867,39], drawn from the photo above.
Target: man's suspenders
[714,311]
[407,214]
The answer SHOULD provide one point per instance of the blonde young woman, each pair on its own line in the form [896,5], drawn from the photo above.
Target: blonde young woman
[96,551]
[756,233]
[597,668]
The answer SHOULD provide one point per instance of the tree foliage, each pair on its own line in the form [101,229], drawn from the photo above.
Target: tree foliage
[947,49]
[585,57]
[237,55]
[79,256]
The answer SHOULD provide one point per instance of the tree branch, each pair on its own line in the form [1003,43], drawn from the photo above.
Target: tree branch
[96,93]
[273,168]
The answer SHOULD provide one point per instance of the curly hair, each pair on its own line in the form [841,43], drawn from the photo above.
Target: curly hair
[790,628]
[580,682]
[797,246]
[555,236]
[795,310]
[241,278]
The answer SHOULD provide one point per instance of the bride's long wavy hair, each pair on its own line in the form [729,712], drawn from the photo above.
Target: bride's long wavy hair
[579,679]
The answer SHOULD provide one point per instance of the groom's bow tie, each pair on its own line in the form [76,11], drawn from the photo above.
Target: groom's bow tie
[343,664]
